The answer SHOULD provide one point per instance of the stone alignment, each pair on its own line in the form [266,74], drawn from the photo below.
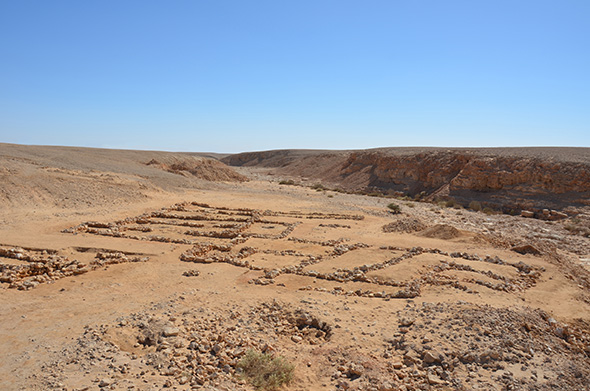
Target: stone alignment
[221,235]
[24,269]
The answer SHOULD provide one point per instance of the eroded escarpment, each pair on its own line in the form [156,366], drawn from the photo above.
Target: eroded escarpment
[501,181]
[512,180]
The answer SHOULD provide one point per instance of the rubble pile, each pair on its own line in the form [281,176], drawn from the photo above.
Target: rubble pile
[45,266]
[405,225]
[197,348]
[429,346]
[481,347]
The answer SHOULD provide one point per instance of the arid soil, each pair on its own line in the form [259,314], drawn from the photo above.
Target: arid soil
[129,270]
[70,177]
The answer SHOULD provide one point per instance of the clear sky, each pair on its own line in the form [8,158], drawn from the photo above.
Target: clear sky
[230,76]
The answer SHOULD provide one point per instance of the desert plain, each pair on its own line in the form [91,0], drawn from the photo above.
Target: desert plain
[140,270]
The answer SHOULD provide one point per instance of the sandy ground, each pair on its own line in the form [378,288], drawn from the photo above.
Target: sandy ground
[309,275]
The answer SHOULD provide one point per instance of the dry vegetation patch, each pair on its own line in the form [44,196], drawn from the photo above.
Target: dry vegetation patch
[265,371]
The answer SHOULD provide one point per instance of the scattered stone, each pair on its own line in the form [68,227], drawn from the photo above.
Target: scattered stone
[191,273]
[170,331]
[430,358]
[526,249]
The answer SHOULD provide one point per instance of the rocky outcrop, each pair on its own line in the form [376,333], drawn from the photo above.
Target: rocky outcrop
[277,158]
[510,179]
[509,182]
[202,168]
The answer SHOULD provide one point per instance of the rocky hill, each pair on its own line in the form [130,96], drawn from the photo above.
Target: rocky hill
[71,176]
[511,179]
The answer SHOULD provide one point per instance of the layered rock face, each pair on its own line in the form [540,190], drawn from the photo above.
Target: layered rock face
[512,180]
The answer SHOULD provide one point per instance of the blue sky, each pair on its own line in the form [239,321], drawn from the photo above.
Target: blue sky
[230,76]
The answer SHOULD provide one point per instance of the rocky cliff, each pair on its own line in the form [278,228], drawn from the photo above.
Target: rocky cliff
[500,181]
[508,179]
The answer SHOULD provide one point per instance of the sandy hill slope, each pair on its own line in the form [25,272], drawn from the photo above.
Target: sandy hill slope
[134,270]
[508,179]
[68,176]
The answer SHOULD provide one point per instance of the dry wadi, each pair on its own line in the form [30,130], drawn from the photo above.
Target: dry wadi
[388,269]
